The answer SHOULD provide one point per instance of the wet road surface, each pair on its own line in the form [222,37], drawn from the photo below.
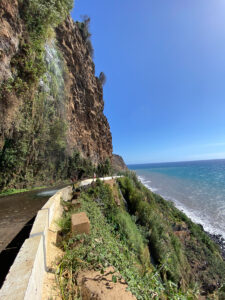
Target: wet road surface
[16,210]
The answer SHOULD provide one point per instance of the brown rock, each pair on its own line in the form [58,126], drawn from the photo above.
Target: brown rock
[81,105]
[118,163]
[95,285]
[80,223]
[76,195]
[10,33]
[89,130]
[76,203]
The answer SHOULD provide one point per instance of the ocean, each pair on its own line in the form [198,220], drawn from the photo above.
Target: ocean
[196,187]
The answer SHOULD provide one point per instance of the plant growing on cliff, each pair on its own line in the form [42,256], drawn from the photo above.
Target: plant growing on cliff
[37,147]
[102,78]
[104,168]
[84,28]
[40,14]
[79,167]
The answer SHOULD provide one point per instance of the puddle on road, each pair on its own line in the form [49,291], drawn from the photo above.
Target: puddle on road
[47,193]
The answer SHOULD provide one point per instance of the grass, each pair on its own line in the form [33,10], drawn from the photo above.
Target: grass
[165,246]
[193,258]
[115,240]
[17,191]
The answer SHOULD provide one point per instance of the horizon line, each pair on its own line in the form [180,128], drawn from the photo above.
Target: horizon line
[178,161]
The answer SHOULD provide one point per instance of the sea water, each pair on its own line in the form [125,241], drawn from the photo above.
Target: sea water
[197,188]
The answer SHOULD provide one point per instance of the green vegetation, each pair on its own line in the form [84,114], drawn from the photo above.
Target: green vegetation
[39,15]
[86,35]
[189,254]
[36,149]
[58,167]
[40,18]
[165,246]
[158,251]
[36,152]
[115,240]
[104,168]
[17,191]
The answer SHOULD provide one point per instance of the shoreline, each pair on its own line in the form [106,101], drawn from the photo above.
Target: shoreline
[219,240]
[215,237]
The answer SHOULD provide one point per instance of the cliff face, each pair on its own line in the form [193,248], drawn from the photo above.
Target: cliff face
[118,163]
[51,102]
[89,130]
[10,32]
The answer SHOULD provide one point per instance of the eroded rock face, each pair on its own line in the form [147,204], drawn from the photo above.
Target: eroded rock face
[57,111]
[89,130]
[118,163]
[10,32]
[11,28]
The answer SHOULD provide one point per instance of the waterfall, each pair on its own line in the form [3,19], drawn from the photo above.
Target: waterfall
[52,84]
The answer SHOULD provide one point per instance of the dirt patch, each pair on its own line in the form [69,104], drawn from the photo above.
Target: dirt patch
[95,285]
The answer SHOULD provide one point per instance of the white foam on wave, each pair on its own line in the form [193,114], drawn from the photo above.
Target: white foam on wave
[198,219]
[146,184]
[190,213]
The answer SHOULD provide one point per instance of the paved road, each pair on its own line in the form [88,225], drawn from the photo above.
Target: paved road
[89,181]
[16,210]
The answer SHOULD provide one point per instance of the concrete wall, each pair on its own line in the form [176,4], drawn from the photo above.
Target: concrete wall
[25,278]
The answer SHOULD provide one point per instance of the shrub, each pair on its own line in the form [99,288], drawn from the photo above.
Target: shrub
[130,233]
[104,168]
[90,48]
[79,167]
[40,14]
[84,28]
[109,245]
[164,245]
[102,78]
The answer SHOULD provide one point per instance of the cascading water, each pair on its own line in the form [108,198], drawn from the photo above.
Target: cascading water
[53,82]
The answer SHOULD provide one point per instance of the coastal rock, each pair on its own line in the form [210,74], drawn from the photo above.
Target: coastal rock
[118,163]
[220,241]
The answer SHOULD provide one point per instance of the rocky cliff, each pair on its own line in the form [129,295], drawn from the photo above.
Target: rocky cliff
[11,29]
[118,163]
[88,127]
[51,102]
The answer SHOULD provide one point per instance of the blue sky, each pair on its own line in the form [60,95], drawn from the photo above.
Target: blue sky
[165,67]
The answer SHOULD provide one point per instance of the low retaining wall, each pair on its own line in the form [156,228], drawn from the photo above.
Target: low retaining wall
[25,278]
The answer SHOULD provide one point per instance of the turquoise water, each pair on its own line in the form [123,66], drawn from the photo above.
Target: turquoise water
[197,188]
